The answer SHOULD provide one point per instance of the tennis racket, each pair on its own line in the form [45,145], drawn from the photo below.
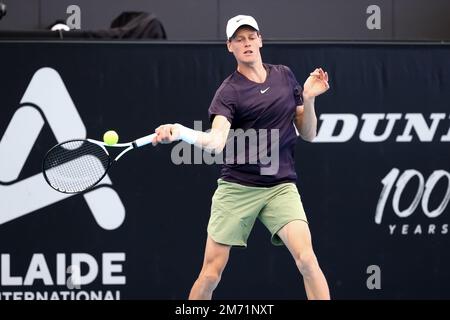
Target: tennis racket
[77,165]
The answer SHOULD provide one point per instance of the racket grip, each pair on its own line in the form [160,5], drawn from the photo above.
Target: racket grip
[144,140]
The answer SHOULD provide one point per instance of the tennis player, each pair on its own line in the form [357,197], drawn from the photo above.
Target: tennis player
[257,96]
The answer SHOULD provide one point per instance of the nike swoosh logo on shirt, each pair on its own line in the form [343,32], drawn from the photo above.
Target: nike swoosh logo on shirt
[264,91]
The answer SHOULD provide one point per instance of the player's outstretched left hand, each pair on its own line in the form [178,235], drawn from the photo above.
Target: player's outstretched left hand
[316,84]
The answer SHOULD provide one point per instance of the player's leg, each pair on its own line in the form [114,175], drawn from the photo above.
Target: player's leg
[233,213]
[297,238]
[215,260]
[285,217]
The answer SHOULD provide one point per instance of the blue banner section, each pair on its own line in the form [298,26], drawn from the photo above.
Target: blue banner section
[375,183]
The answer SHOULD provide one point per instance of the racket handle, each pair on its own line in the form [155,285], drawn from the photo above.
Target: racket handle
[144,140]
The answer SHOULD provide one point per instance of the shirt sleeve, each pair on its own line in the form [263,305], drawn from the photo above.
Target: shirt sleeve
[223,103]
[296,88]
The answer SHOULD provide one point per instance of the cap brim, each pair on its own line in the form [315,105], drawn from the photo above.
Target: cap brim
[241,26]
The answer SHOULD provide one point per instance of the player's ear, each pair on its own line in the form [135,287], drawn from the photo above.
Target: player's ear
[260,40]
[229,46]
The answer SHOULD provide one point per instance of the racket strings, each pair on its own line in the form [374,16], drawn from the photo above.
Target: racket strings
[75,166]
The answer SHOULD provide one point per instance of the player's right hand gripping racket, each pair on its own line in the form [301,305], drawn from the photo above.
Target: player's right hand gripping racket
[77,165]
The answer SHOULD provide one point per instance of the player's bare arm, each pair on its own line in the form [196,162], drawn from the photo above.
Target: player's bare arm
[305,116]
[212,141]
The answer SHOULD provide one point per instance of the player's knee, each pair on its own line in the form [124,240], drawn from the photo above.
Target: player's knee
[306,262]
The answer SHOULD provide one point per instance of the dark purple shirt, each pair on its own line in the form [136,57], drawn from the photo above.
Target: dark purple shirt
[271,106]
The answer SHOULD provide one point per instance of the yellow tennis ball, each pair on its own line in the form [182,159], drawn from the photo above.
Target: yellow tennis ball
[110,137]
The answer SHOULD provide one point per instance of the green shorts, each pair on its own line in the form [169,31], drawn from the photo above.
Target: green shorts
[235,208]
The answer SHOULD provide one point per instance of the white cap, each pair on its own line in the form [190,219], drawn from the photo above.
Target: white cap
[239,21]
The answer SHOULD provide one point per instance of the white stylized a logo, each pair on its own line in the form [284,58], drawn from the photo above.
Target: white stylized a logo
[46,98]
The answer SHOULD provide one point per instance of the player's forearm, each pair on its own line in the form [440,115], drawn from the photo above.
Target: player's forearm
[212,141]
[306,120]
